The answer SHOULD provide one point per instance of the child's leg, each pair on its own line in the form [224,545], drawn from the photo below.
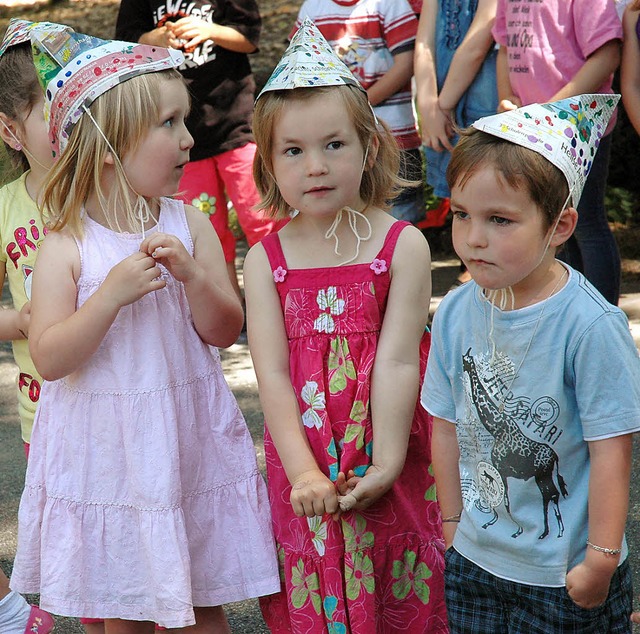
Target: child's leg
[120,626]
[209,620]
[93,626]
[474,606]
[235,169]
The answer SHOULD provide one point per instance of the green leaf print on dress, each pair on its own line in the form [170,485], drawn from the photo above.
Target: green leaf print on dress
[305,587]
[411,577]
[358,571]
[318,531]
[340,365]
[358,538]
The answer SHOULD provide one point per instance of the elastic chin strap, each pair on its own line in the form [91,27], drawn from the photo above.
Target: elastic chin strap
[141,208]
[21,148]
[352,215]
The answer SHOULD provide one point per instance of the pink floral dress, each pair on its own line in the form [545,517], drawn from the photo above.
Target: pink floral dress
[373,571]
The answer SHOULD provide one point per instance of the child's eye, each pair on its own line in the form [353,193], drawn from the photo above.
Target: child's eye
[499,220]
[335,145]
[292,151]
[168,123]
[460,215]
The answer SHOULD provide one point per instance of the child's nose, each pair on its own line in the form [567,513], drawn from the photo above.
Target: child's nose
[187,141]
[476,236]
[316,163]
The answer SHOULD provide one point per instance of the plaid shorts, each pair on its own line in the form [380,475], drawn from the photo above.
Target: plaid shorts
[481,603]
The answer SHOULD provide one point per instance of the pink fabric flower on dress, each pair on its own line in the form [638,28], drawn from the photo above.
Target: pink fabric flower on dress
[279,274]
[378,266]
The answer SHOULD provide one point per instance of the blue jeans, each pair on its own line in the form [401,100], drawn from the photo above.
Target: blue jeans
[481,603]
[592,249]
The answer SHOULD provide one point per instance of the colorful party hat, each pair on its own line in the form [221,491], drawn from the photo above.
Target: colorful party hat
[75,69]
[566,132]
[18,32]
[308,62]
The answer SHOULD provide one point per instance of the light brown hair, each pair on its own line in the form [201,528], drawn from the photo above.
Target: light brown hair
[518,166]
[380,182]
[19,93]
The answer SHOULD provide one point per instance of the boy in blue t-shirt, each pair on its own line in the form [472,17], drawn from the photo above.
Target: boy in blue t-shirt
[534,384]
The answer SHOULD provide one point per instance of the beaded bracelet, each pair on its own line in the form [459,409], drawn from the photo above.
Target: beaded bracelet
[606,551]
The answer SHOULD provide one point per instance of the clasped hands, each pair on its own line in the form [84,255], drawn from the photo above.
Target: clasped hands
[314,494]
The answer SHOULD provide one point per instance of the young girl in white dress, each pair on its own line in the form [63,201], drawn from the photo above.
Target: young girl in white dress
[143,502]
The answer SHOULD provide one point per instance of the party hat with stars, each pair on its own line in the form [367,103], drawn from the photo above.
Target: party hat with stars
[308,62]
[75,69]
[565,132]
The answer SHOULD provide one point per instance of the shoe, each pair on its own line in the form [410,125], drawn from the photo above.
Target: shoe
[40,622]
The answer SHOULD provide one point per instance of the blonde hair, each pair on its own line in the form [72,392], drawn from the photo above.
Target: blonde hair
[380,182]
[124,114]
[519,167]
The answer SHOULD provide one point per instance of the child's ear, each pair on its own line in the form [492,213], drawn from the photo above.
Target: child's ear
[566,227]
[108,158]
[374,146]
[9,131]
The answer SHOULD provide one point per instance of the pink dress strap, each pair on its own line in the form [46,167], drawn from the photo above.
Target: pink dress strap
[273,249]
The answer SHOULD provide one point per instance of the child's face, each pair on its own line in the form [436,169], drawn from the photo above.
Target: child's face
[498,232]
[35,138]
[157,164]
[317,156]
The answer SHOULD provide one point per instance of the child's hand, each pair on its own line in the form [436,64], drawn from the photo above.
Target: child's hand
[588,586]
[162,36]
[192,31]
[24,319]
[171,253]
[312,493]
[132,279]
[363,492]
[509,104]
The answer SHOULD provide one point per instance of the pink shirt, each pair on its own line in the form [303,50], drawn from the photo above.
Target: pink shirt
[548,41]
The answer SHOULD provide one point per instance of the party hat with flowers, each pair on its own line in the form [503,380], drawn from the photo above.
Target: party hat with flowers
[308,62]
[75,69]
[18,32]
[566,132]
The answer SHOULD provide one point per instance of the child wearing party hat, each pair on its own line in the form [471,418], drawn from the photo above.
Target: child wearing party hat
[142,500]
[337,305]
[534,384]
[23,132]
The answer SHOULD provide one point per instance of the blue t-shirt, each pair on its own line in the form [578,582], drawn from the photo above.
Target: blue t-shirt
[524,459]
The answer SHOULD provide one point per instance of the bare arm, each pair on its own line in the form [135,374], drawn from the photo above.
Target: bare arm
[215,309]
[609,477]
[506,99]
[630,69]
[396,370]
[312,492]
[598,67]
[14,324]
[393,80]
[469,56]
[435,125]
[194,31]
[445,456]
[62,338]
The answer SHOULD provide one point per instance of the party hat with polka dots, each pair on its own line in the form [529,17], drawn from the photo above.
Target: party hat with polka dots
[566,132]
[75,69]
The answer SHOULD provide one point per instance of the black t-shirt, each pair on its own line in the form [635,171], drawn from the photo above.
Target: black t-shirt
[220,81]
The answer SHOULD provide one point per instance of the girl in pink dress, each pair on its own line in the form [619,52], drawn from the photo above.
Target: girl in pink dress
[143,501]
[337,307]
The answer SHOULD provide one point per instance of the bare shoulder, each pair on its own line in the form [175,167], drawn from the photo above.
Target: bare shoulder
[58,253]
[413,244]
[196,220]
[256,259]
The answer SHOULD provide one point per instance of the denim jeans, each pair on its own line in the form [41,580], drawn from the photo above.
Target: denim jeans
[592,249]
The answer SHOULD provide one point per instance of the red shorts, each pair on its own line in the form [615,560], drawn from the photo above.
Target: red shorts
[210,183]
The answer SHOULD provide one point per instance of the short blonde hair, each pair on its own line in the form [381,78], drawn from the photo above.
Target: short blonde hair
[519,166]
[380,182]
[124,114]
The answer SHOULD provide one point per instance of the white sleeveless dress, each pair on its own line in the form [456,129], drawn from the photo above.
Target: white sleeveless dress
[142,496]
